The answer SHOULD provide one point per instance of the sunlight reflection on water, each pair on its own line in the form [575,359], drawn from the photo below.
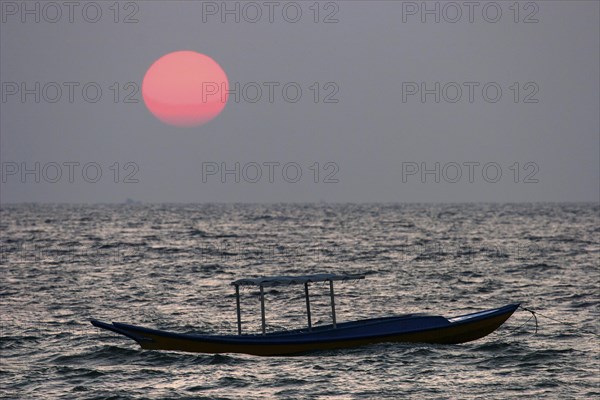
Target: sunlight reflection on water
[169,267]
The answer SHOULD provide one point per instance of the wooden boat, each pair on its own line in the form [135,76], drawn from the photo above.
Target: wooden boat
[409,328]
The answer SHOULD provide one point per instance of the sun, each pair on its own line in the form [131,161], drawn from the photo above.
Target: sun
[185,88]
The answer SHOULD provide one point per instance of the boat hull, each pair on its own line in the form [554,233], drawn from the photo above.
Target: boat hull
[406,329]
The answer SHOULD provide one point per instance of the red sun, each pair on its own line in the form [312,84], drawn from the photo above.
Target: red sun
[185,88]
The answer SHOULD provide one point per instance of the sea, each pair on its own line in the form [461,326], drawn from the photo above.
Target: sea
[169,266]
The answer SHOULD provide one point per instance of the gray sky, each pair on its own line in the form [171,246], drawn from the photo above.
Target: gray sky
[539,141]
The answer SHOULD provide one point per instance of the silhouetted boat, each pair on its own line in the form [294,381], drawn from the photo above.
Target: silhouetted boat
[408,328]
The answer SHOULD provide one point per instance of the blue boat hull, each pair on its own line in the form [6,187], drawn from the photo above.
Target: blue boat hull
[412,328]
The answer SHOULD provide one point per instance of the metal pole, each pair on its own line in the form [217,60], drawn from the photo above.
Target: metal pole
[332,302]
[262,309]
[307,305]
[239,312]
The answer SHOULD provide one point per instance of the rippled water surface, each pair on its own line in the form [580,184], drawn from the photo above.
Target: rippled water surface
[169,267]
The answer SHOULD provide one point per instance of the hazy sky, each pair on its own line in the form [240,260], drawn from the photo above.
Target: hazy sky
[375,125]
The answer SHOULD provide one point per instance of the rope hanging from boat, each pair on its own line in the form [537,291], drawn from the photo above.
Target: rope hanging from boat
[510,331]
[535,313]
[532,316]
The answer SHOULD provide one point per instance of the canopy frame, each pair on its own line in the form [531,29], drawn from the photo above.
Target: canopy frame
[289,280]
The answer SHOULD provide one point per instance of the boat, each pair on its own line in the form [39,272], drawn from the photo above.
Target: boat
[407,328]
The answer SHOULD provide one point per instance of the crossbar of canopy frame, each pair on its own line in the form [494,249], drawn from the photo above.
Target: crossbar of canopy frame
[270,281]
